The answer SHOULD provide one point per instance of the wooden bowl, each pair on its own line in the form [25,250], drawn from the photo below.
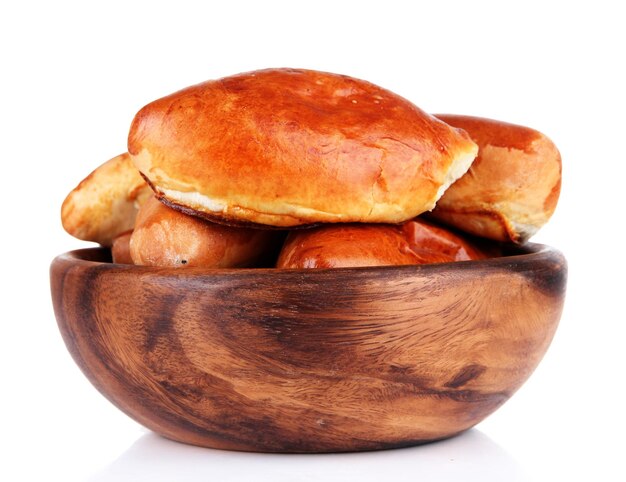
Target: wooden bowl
[309,360]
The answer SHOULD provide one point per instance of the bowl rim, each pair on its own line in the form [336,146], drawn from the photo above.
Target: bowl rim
[516,258]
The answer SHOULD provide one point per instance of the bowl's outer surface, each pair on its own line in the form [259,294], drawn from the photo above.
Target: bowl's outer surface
[309,360]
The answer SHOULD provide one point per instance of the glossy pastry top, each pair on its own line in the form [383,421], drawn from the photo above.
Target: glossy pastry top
[287,147]
[166,237]
[511,189]
[352,245]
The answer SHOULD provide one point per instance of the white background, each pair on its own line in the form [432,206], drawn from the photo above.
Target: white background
[74,73]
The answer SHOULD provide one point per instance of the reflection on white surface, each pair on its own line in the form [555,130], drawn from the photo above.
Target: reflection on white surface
[470,456]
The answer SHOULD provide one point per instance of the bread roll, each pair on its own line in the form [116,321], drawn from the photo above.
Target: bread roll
[166,237]
[285,147]
[512,188]
[353,245]
[104,204]
[120,249]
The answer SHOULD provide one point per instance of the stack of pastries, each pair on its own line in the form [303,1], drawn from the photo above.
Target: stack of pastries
[300,169]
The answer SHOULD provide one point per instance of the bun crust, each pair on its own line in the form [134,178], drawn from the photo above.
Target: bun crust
[285,147]
[120,249]
[353,245]
[511,189]
[105,203]
[166,237]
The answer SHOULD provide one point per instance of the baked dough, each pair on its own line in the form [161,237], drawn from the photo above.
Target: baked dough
[353,245]
[511,189]
[287,147]
[105,203]
[166,237]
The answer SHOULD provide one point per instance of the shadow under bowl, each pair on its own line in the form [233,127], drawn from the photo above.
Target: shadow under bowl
[326,360]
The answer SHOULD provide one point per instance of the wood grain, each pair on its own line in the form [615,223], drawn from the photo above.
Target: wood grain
[309,360]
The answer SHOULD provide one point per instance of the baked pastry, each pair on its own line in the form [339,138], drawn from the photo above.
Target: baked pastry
[353,245]
[511,189]
[120,249]
[287,147]
[166,237]
[105,203]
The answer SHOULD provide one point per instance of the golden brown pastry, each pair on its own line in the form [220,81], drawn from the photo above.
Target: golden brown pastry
[120,249]
[352,245]
[104,204]
[166,237]
[511,189]
[286,147]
